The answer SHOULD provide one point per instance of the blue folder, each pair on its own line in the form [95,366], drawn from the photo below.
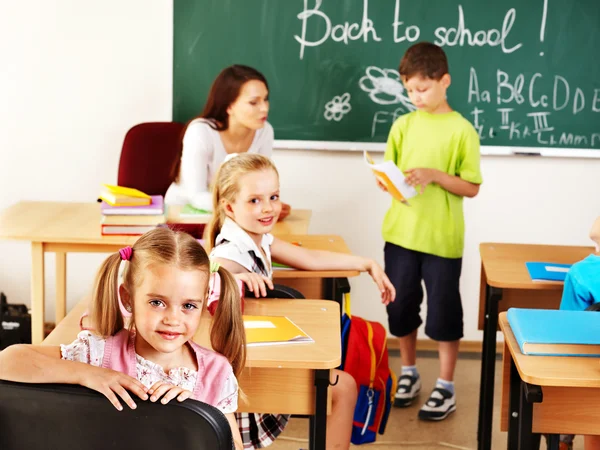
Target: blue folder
[553,332]
[544,271]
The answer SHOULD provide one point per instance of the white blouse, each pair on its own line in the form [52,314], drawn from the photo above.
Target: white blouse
[89,348]
[203,153]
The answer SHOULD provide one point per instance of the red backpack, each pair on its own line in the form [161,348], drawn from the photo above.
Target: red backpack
[365,357]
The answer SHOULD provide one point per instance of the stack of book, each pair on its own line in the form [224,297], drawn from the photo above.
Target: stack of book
[129,212]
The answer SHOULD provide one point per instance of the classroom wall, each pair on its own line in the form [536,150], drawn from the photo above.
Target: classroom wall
[77,75]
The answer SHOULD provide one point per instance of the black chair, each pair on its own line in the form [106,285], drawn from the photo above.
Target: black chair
[57,416]
[281,291]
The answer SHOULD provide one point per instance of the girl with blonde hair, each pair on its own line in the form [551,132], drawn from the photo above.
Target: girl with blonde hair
[165,288]
[246,206]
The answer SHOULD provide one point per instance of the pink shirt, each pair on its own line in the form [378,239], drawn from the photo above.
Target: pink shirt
[213,383]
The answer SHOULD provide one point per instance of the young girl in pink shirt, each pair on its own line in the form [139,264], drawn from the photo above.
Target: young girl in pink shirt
[165,288]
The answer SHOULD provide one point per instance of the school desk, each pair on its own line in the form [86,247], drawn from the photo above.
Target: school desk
[505,283]
[286,379]
[547,394]
[64,227]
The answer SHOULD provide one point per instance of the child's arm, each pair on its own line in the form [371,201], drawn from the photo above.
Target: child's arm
[306,259]
[43,364]
[453,184]
[254,282]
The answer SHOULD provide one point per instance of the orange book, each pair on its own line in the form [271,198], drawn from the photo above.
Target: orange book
[273,330]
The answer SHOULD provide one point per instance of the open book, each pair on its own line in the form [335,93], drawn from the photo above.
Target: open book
[273,330]
[392,178]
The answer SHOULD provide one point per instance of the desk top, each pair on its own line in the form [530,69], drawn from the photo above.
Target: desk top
[320,319]
[504,264]
[68,222]
[564,371]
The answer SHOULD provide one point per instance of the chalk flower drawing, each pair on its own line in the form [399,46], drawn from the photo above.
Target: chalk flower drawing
[338,107]
[384,87]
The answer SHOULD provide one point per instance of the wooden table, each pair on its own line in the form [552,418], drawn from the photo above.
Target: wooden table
[505,283]
[551,395]
[64,227]
[287,379]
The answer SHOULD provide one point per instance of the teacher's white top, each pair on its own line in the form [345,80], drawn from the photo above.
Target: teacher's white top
[203,153]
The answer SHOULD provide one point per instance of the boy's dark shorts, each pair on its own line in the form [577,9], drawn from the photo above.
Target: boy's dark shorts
[405,269]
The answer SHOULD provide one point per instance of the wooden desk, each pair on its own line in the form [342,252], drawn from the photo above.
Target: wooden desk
[63,227]
[505,283]
[287,379]
[554,395]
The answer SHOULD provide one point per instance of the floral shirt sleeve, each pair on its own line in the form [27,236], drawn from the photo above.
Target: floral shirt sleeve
[87,348]
[228,401]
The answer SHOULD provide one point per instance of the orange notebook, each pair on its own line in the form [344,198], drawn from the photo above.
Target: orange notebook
[273,330]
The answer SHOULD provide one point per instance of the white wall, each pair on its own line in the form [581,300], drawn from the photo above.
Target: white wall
[77,75]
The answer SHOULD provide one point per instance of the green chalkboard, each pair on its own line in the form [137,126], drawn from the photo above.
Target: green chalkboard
[526,73]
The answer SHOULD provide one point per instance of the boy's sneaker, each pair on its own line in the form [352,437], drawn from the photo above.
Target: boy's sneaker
[441,404]
[408,389]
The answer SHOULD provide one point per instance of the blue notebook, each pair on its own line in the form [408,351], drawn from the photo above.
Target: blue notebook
[543,271]
[552,332]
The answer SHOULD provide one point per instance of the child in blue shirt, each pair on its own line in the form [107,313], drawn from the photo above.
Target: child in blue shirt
[581,291]
[582,284]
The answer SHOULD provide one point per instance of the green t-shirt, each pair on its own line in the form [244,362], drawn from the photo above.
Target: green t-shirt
[434,221]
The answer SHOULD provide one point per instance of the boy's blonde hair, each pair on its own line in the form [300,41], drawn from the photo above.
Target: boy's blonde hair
[226,186]
[165,246]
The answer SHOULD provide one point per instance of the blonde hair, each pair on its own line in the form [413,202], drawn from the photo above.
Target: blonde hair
[165,246]
[226,186]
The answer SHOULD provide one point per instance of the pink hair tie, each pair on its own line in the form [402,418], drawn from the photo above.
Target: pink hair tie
[126,253]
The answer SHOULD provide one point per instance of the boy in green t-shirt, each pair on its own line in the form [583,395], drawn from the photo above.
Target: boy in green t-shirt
[438,151]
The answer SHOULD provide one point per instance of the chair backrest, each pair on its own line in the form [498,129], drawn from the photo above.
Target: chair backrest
[55,416]
[281,291]
[147,157]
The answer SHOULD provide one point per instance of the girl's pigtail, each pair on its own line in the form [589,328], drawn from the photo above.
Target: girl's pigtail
[227,335]
[216,222]
[106,315]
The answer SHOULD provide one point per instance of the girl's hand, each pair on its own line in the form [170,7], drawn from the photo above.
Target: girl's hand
[168,392]
[111,384]
[421,177]
[255,283]
[285,211]
[388,292]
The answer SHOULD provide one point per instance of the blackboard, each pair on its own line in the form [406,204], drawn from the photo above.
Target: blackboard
[526,73]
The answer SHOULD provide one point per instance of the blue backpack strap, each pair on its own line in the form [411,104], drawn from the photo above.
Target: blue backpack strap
[346,322]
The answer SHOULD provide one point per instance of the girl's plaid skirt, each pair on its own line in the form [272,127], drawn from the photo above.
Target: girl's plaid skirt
[260,430]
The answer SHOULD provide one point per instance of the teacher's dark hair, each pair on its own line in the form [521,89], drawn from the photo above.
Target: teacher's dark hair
[224,91]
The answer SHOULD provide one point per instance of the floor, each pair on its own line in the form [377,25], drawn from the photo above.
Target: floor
[404,430]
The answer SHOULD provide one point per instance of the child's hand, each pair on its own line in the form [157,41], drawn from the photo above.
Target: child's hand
[111,383]
[285,211]
[422,177]
[381,185]
[388,292]
[255,283]
[168,392]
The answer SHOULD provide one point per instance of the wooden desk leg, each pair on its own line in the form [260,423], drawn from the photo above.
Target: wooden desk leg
[61,286]
[318,422]
[37,292]
[488,366]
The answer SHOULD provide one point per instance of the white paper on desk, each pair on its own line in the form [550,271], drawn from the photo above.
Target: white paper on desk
[392,178]
[258,324]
